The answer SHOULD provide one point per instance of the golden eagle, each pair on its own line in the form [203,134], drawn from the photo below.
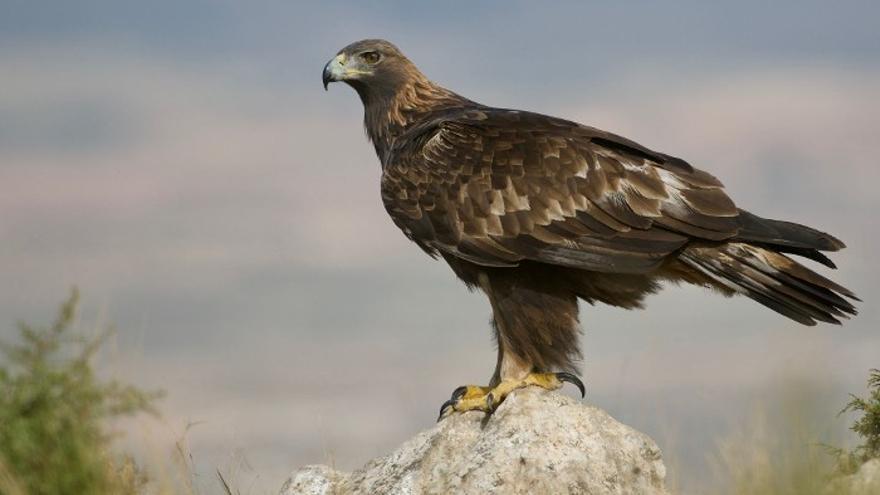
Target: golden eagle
[538,212]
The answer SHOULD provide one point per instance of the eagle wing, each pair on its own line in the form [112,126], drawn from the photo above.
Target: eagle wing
[496,187]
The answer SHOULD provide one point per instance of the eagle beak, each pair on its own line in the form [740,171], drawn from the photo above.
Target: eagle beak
[334,70]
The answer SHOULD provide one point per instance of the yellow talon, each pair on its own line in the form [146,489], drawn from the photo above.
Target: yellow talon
[474,392]
[476,398]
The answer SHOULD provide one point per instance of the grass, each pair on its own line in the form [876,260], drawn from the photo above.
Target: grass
[781,453]
[772,456]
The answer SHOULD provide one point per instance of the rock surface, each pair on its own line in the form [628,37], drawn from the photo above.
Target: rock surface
[536,442]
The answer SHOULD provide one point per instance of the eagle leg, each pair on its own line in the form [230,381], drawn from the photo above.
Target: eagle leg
[475,398]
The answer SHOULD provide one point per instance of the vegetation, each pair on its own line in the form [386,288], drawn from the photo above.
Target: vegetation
[777,451]
[867,427]
[53,411]
[780,453]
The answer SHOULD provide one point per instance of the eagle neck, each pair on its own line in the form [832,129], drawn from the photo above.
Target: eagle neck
[390,112]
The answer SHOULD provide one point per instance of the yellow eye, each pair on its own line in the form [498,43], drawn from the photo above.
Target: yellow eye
[370,57]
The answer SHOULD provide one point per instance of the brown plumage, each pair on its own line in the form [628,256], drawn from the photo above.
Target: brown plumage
[539,212]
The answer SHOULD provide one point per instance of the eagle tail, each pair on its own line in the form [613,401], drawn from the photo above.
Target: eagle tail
[787,237]
[771,278]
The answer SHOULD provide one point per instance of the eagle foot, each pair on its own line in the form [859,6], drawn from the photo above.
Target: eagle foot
[486,399]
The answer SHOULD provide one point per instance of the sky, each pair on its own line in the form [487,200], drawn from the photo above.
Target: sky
[180,163]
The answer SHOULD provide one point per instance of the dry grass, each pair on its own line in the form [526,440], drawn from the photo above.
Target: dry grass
[785,452]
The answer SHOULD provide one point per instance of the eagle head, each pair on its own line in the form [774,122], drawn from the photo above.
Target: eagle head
[394,92]
[369,65]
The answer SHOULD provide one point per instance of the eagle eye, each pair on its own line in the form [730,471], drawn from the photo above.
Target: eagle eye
[370,57]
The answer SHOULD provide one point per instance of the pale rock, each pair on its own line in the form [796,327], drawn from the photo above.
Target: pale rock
[535,442]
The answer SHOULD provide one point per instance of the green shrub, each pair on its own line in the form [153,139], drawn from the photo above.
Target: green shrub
[867,427]
[53,411]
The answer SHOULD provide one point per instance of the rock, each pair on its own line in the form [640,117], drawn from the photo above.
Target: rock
[866,481]
[536,442]
[313,480]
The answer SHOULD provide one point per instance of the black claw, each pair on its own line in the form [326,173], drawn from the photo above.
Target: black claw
[446,405]
[568,377]
[490,399]
[456,395]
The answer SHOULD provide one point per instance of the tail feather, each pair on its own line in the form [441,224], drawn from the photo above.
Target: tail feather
[787,237]
[813,254]
[781,233]
[772,279]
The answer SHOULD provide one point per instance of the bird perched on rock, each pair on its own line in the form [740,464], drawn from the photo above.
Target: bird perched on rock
[538,212]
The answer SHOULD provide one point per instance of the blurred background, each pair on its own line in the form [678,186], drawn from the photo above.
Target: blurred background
[180,163]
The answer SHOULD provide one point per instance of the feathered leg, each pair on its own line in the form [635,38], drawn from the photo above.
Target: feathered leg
[536,331]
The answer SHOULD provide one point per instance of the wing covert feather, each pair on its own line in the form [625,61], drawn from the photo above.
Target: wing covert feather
[496,187]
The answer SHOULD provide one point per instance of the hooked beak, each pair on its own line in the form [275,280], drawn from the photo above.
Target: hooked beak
[334,70]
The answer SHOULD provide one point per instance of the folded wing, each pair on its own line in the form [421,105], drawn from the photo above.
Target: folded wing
[496,187]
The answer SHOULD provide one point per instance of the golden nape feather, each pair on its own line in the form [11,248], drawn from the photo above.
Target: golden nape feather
[538,212]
